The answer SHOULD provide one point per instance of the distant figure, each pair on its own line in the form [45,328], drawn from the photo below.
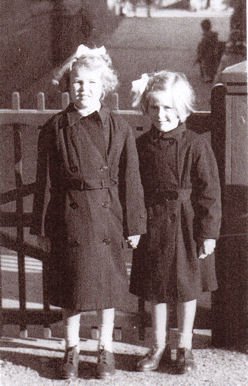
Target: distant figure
[123,7]
[235,52]
[134,6]
[148,7]
[207,52]
[196,5]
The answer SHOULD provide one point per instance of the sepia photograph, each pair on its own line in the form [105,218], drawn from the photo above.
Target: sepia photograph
[123,192]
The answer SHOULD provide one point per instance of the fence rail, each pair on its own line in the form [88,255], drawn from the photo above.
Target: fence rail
[18,119]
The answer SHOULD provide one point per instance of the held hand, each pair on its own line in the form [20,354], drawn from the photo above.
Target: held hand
[133,241]
[207,248]
[44,243]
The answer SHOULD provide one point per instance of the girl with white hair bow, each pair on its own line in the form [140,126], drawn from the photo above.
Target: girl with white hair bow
[86,155]
[174,261]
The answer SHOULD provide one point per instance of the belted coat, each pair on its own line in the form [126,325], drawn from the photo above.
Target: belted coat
[182,196]
[88,173]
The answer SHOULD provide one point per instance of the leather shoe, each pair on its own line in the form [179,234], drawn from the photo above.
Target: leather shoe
[184,361]
[155,357]
[105,364]
[70,363]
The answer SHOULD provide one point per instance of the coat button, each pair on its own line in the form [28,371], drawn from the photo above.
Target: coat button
[104,167]
[171,141]
[105,204]
[173,218]
[74,244]
[73,169]
[74,205]
[106,241]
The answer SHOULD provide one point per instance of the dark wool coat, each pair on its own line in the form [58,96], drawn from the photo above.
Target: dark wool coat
[78,175]
[182,197]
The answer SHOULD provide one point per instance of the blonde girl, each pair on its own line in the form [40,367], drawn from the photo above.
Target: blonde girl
[80,152]
[174,261]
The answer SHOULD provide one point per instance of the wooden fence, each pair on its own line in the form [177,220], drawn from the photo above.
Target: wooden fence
[20,219]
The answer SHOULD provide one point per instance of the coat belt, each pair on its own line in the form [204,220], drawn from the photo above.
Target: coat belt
[75,184]
[173,195]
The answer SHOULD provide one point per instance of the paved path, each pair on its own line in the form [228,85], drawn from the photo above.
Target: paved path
[149,44]
[140,44]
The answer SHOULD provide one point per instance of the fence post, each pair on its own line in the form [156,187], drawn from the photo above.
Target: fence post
[115,101]
[20,228]
[65,100]
[1,303]
[15,101]
[41,101]
[230,301]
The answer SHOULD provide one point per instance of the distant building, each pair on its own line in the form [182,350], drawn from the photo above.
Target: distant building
[37,35]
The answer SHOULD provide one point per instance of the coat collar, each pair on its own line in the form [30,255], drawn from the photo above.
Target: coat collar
[157,134]
[74,116]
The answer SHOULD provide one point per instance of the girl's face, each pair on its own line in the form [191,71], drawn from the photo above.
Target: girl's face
[86,87]
[161,111]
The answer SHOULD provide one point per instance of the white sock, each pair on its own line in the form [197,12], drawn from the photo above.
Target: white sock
[106,329]
[71,327]
[185,340]
[159,323]
[186,315]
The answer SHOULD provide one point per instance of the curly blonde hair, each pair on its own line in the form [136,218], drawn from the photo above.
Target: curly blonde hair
[92,59]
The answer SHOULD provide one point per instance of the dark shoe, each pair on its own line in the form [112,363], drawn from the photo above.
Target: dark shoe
[70,363]
[184,361]
[154,358]
[105,364]
[166,357]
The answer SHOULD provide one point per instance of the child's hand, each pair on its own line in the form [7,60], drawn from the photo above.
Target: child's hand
[133,241]
[207,248]
[44,243]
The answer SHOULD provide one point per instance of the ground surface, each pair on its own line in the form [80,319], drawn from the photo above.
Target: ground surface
[37,362]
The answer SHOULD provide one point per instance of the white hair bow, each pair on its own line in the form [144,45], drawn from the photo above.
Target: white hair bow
[81,50]
[138,88]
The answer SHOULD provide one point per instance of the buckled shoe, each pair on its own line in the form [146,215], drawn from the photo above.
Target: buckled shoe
[184,361]
[70,363]
[105,364]
[155,357]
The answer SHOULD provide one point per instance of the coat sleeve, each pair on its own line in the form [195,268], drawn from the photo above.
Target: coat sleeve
[41,194]
[135,212]
[208,194]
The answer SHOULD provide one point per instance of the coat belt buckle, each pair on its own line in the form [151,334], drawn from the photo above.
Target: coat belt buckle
[83,186]
[171,195]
